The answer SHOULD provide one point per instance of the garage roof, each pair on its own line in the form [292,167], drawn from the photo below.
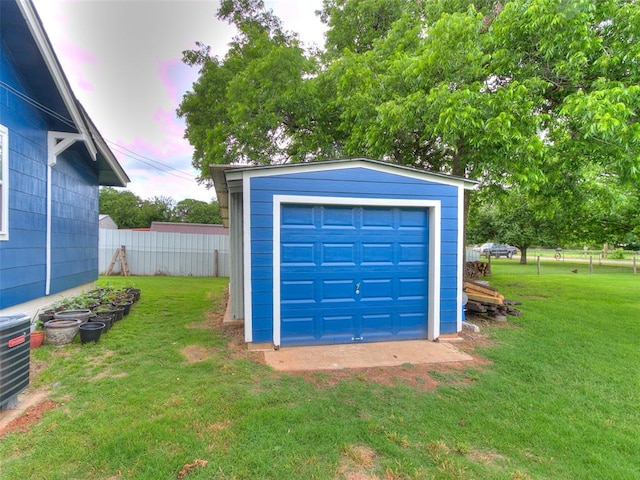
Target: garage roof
[222,173]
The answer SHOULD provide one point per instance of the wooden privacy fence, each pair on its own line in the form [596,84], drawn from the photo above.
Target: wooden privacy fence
[159,253]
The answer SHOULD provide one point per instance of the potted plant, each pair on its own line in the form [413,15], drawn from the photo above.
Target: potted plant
[36,337]
[61,332]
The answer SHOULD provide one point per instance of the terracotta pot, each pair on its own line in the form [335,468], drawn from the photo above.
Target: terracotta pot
[36,339]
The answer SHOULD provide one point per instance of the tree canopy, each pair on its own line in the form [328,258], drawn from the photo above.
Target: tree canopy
[534,95]
[130,211]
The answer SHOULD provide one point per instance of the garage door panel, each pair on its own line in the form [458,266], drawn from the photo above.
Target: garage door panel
[338,324]
[298,325]
[412,321]
[343,217]
[343,254]
[381,323]
[337,290]
[413,219]
[298,254]
[302,291]
[378,290]
[378,218]
[378,254]
[412,254]
[412,288]
[299,215]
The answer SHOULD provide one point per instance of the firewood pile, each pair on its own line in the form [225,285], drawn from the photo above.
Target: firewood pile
[477,269]
[486,300]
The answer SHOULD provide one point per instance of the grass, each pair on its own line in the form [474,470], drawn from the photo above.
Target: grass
[559,399]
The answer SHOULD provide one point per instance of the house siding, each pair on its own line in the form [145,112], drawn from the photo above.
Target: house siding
[74,223]
[74,207]
[22,257]
[345,182]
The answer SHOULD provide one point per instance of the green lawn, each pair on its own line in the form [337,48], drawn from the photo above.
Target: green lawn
[559,399]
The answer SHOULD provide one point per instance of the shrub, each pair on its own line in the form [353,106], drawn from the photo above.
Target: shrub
[617,254]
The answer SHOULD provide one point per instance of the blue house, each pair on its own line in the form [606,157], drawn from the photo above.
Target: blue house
[343,251]
[53,161]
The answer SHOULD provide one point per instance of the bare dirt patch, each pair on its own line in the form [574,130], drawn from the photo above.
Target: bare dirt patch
[32,415]
[357,463]
[33,403]
[422,376]
[490,458]
[197,353]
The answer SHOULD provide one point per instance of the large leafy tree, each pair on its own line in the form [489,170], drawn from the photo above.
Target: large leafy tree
[592,209]
[243,106]
[197,211]
[158,209]
[122,206]
[523,93]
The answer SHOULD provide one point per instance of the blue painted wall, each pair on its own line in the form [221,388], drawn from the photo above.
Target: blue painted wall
[351,182]
[75,201]
[74,224]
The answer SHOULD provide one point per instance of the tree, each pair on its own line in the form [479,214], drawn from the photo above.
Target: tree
[196,211]
[591,209]
[124,207]
[514,94]
[130,211]
[242,107]
[158,209]
[510,217]
[354,25]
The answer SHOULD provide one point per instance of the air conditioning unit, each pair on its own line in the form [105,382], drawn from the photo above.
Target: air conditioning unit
[14,358]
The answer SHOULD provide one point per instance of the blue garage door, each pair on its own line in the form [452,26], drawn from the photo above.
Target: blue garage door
[353,274]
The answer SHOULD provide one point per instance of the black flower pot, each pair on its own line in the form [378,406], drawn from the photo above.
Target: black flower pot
[118,313]
[45,317]
[126,306]
[91,331]
[135,293]
[106,318]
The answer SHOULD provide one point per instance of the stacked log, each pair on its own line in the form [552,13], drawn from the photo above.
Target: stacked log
[485,299]
[477,269]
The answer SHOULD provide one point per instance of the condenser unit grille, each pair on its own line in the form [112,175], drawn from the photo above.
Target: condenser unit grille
[14,356]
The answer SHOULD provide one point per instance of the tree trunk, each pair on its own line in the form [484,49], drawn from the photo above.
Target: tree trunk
[523,255]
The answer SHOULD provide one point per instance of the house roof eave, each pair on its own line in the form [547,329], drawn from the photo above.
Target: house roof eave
[110,172]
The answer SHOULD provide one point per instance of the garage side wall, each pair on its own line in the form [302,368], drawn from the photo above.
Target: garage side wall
[346,182]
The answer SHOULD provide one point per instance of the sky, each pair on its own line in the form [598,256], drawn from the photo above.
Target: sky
[123,59]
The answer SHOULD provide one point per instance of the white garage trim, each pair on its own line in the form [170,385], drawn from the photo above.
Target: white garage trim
[246,238]
[463,261]
[433,284]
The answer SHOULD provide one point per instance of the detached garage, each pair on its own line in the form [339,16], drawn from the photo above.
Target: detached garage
[343,251]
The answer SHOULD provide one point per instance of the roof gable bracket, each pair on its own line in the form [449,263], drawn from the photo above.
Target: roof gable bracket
[58,142]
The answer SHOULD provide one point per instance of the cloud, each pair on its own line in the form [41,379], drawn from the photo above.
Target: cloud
[123,60]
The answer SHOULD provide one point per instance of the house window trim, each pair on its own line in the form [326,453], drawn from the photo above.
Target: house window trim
[4,191]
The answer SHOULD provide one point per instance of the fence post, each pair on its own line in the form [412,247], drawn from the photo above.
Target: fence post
[215,264]
[538,264]
[590,264]
[634,265]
